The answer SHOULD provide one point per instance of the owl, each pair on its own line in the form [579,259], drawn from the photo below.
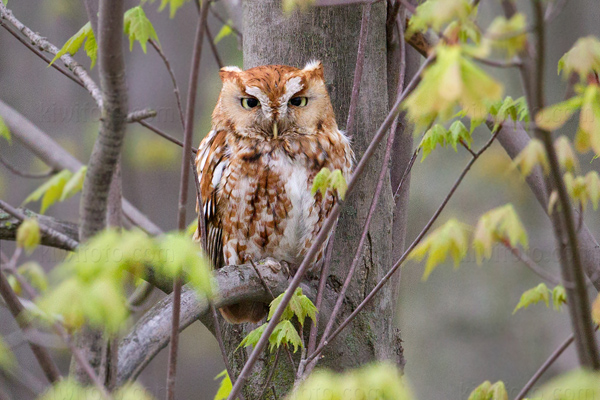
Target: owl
[273,130]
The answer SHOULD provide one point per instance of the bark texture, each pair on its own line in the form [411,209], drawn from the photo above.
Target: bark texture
[330,34]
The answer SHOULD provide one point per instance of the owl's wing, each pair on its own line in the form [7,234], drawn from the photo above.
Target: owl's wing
[211,160]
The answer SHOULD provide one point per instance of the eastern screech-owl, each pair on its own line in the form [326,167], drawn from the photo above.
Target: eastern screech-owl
[273,129]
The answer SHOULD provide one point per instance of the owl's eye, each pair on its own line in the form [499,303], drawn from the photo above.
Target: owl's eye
[249,102]
[299,101]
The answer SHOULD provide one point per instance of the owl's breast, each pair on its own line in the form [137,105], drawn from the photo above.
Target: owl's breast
[268,209]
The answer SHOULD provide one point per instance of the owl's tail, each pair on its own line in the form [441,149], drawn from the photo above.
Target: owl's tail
[248,311]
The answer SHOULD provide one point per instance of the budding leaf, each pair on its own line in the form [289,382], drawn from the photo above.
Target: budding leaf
[555,116]
[321,181]
[4,131]
[72,46]
[583,58]
[224,32]
[533,296]
[532,155]
[559,297]
[28,235]
[338,183]
[138,27]
[224,387]
[51,191]
[588,135]
[285,333]
[174,5]
[499,224]
[436,14]
[508,35]
[74,185]
[566,155]
[487,391]
[253,337]
[35,275]
[449,239]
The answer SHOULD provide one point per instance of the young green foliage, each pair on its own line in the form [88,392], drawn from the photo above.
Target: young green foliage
[583,189]
[498,225]
[174,5]
[582,59]
[438,135]
[72,46]
[452,238]
[28,235]
[33,273]
[60,187]
[508,35]
[487,391]
[224,32]
[381,381]
[299,306]
[70,389]
[92,282]
[532,155]
[224,387]
[138,27]
[4,131]
[452,80]
[566,155]
[7,358]
[327,179]
[588,134]
[542,293]
[508,109]
[436,14]
[553,117]
[579,384]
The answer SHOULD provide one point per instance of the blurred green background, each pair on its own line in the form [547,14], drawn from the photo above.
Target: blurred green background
[458,328]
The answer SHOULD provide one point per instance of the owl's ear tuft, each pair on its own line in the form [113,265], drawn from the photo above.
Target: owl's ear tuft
[314,68]
[229,73]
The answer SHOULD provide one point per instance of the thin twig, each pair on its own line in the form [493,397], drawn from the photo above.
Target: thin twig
[41,354]
[499,64]
[165,135]
[271,373]
[66,241]
[183,190]
[225,22]
[23,174]
[324,232]
[544,367]
[213,47]
[532,265]
[398,263]
[358,69]
[406,173]
[358,253]
[173,81]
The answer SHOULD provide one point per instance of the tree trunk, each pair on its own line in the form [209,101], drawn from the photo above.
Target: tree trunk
[330,34]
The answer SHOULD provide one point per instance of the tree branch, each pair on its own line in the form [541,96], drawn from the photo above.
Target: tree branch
[152,332]
[53,155]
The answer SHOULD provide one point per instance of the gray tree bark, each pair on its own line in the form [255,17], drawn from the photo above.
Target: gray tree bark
[330,34]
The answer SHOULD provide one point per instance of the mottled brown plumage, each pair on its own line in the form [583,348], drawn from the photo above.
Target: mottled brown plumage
[273,130]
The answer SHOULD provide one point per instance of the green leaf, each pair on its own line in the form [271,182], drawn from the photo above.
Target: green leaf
[51,191]
[553,117]
[285,333]
[174,5]
[508,35]
[299,306]
[4,131]
[532,155]
[35,275]
[321,181]
[338,183]
[138,27]
[451,81]
[432,138]
[28,235]
[583,189]
[497,225]
[583,58]
[133,391]
[458,132]
[449,239]
[487,391]
[253,337]
[73,45]
[533,296]
[74,185]
[224,32]
[566,155]
[588,135]
[375,381]
[436,14]
[7,358]
[559,297]
[224,387]
[578,384]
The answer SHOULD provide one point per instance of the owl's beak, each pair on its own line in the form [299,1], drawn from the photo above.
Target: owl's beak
[275,130]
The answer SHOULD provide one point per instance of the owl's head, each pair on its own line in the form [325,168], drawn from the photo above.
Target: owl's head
[274,101]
